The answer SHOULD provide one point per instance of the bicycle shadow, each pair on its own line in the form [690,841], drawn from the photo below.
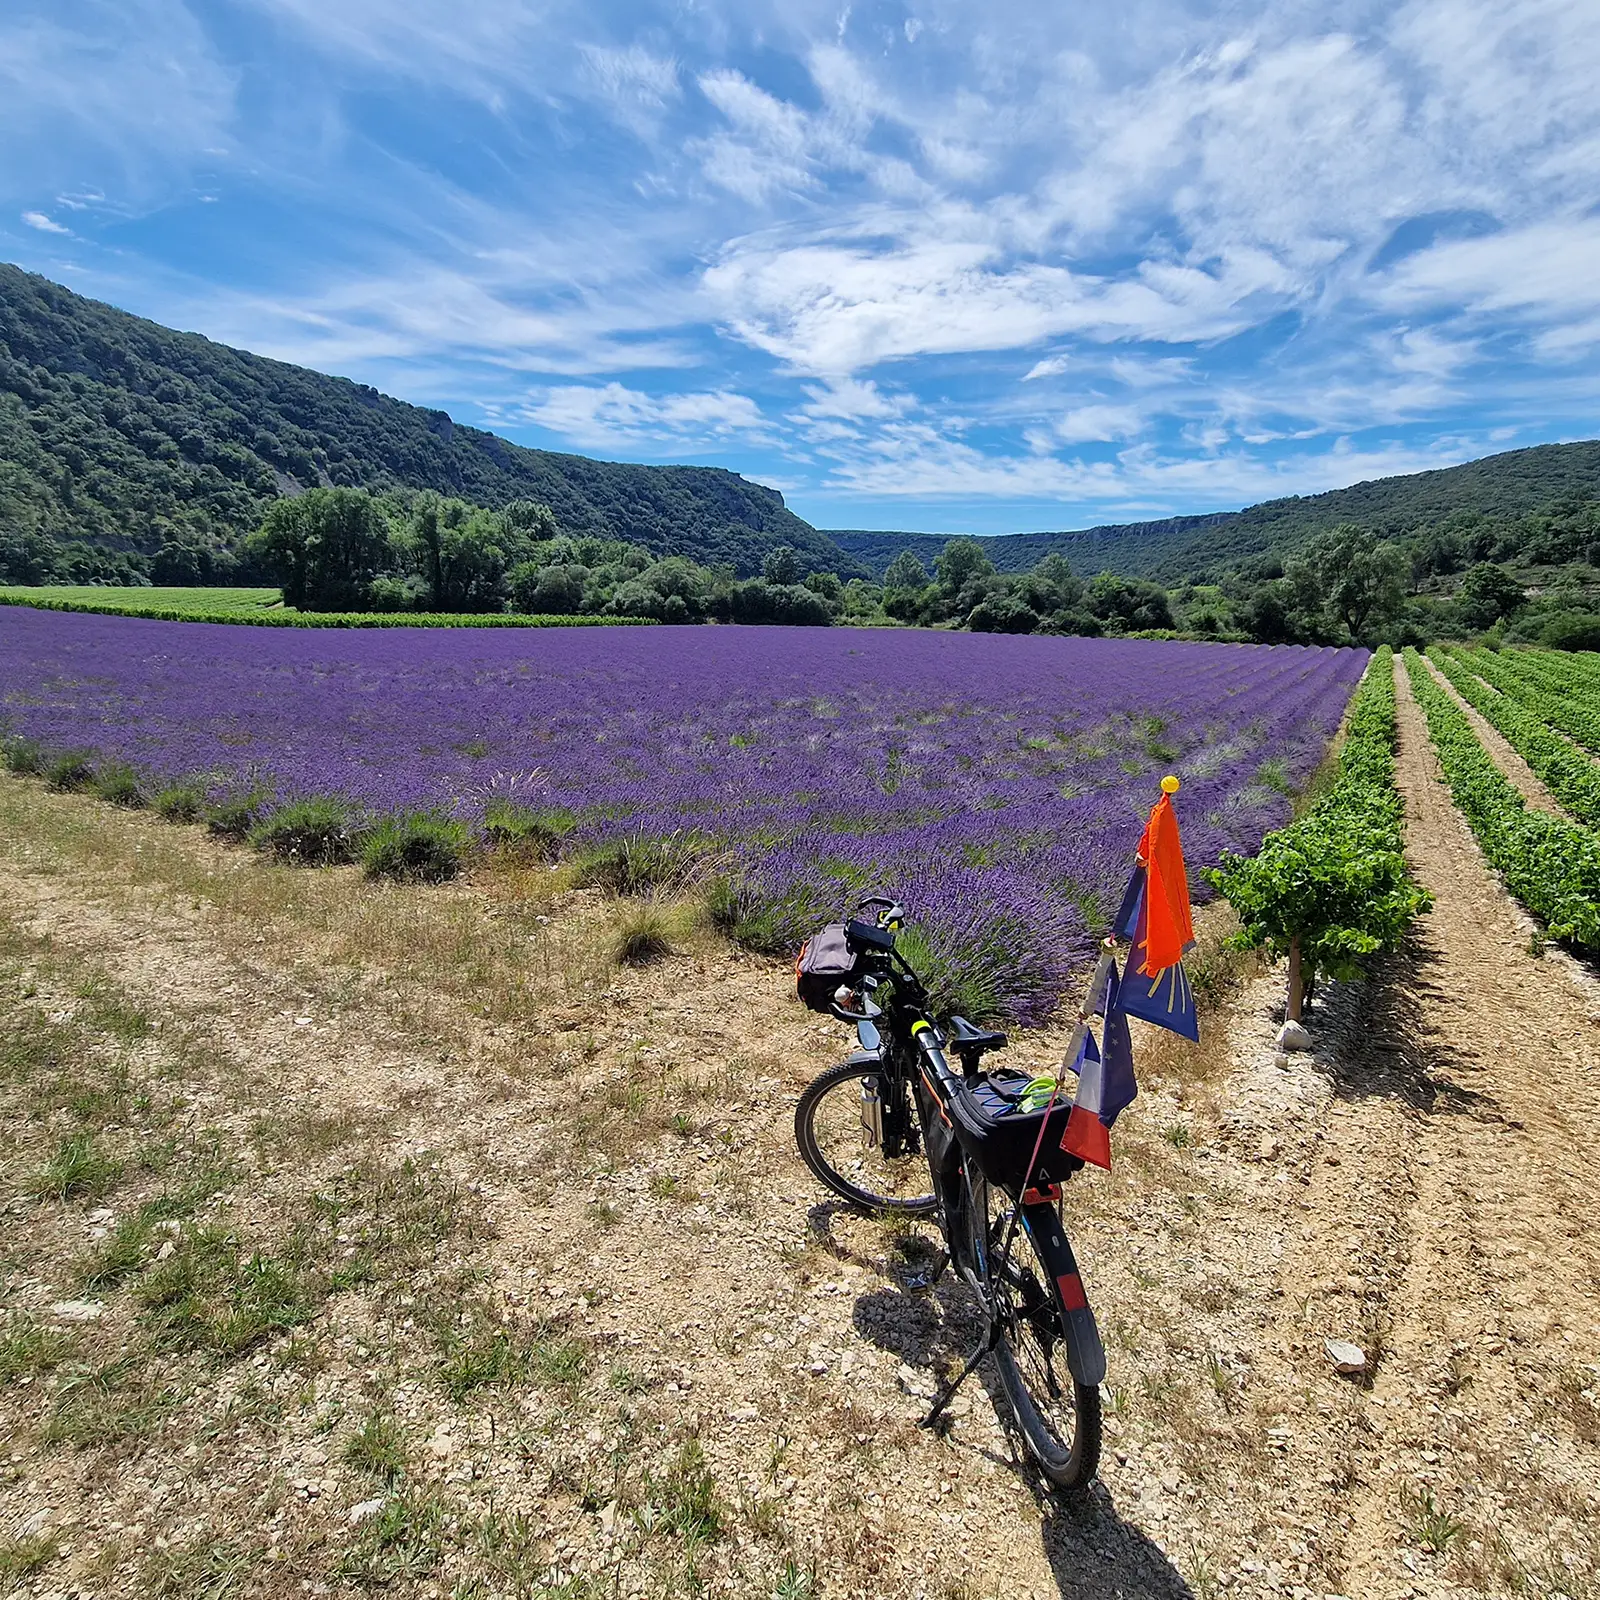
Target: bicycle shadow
[1093,1551]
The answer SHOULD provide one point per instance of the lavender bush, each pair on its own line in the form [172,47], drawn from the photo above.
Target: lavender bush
[996,783]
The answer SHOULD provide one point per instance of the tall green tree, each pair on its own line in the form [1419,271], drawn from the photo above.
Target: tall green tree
[906,573]
[1359,579]
[960,562]
[781,565]
[323,547]
[1487,593]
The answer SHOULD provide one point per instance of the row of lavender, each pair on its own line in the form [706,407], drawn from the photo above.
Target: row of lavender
[996,783]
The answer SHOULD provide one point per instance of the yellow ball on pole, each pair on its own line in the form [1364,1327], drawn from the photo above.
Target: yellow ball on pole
[1169,784]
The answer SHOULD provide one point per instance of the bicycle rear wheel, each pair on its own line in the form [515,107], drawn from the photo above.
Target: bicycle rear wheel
[879,1175]
[1058,1417]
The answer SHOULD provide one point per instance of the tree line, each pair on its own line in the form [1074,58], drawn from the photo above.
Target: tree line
[347,550]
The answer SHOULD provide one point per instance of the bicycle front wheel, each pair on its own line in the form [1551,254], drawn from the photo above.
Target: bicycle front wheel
[871,1157]
[1058,1417]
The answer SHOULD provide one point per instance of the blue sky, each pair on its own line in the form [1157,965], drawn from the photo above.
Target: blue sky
[921,265]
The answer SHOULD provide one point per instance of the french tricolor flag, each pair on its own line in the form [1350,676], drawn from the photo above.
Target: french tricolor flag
[1106,1085]
[1155,922]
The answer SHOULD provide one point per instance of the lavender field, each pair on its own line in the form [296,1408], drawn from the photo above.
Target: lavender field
[997,784]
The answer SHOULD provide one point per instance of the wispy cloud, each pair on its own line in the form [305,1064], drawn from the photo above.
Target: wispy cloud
[610,416]
[634,85]
[991,258]
[132,88]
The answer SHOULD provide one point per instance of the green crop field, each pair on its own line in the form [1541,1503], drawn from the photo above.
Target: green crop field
[264,607]
[196,603]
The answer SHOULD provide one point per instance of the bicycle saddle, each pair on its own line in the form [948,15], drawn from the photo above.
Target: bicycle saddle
[970,1042]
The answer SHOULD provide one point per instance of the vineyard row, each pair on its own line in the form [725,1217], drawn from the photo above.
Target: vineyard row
[1569,773]
[1551,865]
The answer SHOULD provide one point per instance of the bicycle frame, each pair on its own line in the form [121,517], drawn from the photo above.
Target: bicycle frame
[914,1068]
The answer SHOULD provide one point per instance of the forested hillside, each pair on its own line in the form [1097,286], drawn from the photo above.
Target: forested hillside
[124,436]
[1111,547]
[1487,498]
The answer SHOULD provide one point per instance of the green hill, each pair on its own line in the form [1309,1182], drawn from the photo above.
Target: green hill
[1497,490]
[1110,548]
[123,434]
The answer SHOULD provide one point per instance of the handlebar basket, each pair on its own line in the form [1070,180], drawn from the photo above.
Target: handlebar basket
[826,964]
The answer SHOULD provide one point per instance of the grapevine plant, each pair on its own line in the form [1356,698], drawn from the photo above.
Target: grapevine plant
[1333,886]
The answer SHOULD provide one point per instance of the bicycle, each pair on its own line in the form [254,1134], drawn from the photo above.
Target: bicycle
[895,1130]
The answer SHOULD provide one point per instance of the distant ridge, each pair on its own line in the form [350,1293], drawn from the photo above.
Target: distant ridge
[1200,548]
[1108,545]
[122,433]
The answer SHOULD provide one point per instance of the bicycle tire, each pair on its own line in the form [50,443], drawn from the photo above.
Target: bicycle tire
[1030,1355]
[823,1155]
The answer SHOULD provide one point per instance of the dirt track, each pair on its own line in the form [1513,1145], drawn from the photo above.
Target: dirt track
[1517,772]
[1423,1185]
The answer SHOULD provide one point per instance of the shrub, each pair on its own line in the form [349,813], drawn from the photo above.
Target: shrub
[74,770]
[642,936]
[1002,613]
[525,831]
[724,904]
[640,865]
[1571,630]
[234,815]
[119,784]
[415,849]
[24,756]
[180,802]
[1334,884]
[319,832]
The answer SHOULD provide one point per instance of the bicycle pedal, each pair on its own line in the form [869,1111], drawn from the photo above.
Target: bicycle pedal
[926,1280]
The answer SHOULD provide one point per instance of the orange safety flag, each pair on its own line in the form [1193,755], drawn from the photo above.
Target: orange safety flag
[1166,927]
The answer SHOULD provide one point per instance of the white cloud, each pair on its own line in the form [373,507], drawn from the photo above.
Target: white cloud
[635,85]
[767,145]
[485,48]
[837,308]
[37,219]
[610,416]
[1095,424]
[854,400]
[435,310]
[1137,480]
[1050,367]
[1550,269]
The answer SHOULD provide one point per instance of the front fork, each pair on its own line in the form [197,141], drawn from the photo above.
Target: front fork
[1065,1303]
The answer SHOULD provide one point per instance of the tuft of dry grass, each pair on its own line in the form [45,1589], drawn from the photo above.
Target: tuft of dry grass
[643,934]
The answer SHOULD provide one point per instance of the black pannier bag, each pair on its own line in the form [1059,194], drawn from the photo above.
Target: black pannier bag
[826,964]
[1001,1139]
